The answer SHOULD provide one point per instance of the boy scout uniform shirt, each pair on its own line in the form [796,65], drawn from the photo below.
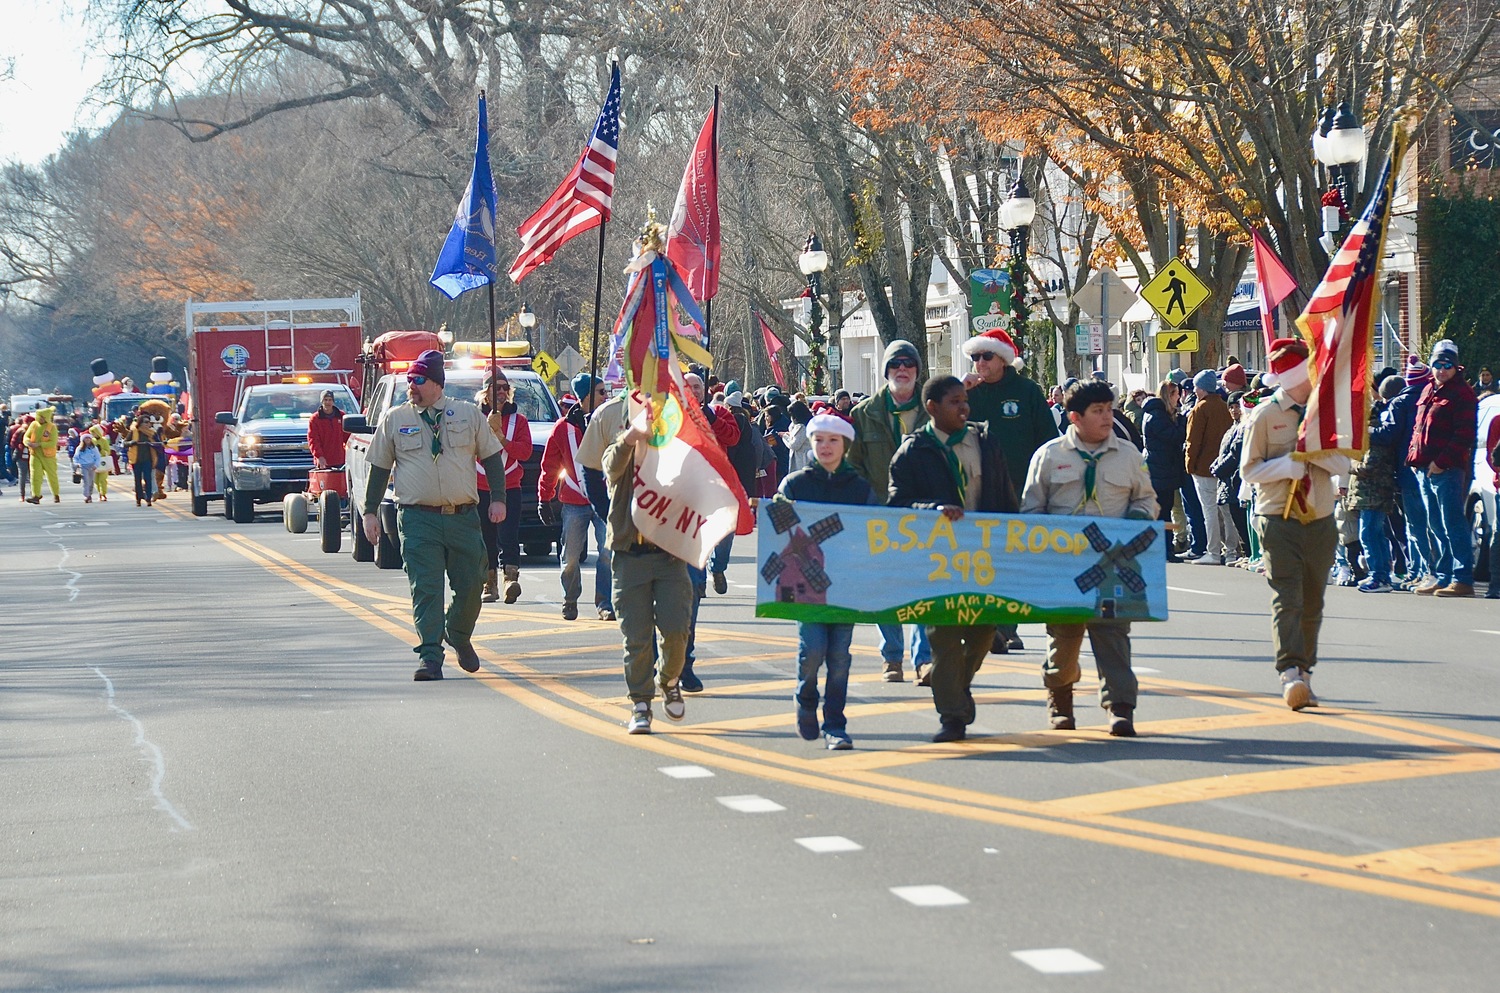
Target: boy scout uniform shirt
[403,442]
[1056,477]
[968,455]
[1269,439]
[607,421]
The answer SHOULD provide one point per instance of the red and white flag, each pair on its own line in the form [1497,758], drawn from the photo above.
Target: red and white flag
[693,242]
[583,200]
[773,345]
[1338,325]
[1275,283]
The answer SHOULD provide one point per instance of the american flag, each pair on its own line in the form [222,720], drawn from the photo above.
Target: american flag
[1338,325]
[583,200]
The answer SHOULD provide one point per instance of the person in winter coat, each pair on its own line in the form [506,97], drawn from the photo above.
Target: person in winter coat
[745,455]
[1165,436]
[954,467]
[830,479]
[41,442]
[798,442]
[1401,415]
[1207,424]
[1442,452]
[562,481]
[87,461]
[326,434]
[1226,469]
[1373,491]
[503,541]
[100,434]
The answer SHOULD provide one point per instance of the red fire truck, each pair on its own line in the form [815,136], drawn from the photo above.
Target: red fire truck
[235,350]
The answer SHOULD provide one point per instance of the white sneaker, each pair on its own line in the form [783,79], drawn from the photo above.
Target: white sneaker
[1312,698]
[1207,558]
[672,703]
[640,719]
[1294,689]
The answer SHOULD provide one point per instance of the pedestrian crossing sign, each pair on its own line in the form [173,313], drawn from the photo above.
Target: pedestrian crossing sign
[545,366]
[1175,293]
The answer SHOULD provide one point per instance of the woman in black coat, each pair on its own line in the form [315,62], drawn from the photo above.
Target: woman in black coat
[1166,439]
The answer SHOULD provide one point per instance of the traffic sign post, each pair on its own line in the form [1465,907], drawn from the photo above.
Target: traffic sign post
[546,366]
[1176,341]
[1175,293]
[1103,295]
[569,361]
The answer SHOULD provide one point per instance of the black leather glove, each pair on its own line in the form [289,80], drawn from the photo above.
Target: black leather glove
[544,511]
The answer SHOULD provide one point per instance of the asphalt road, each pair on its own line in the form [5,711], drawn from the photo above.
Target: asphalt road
[218,775]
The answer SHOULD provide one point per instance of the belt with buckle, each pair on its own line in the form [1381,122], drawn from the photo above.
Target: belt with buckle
[440,508]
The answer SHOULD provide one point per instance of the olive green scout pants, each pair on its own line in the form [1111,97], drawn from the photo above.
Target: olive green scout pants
[432,544]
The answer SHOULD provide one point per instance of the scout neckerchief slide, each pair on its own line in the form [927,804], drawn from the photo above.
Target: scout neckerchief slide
[955,467]
[435,423]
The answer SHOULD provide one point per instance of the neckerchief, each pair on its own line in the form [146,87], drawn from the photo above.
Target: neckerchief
[435,423]
[1090,477]
[896,410]
[1297,504]
[955,467]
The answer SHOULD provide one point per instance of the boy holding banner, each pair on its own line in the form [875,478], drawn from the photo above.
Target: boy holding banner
[830,480]
[1089,472]
[952,466]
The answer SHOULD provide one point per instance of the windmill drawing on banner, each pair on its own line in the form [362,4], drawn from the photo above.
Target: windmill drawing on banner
[1117,575]
[797,570]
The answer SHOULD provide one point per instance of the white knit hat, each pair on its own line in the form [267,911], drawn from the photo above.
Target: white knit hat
[831,424]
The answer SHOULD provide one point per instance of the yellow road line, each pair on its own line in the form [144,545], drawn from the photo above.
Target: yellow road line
[1308,866]
[1447,858]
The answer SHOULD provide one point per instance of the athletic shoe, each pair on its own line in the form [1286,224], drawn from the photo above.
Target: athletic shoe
[721,584]
[838,741]
[1015,643]
[570,611]
[1207,558]
[1373,585]
[807,723]
[1294,689]
[923,673]
[1344,576]
[606,614]
[1427,587]
[672,704]
[1312,698]
[690,682]
[640,719]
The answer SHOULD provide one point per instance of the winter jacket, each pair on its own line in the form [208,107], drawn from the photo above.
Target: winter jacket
[818,485]
[920,477]
[562,473]
[326,437]
[514,434]
[1206,427]
[744,453]
[1226,468]
[875,442]
[1165,437]
[1019,419]
[1447,421]
[88,460]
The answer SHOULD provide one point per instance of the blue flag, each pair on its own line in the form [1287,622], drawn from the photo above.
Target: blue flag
[467,260]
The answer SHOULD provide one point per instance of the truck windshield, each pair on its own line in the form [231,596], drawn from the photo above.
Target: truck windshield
[292,403]
[530,394]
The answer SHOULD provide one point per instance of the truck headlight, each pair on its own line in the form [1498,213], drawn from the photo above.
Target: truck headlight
[249,445]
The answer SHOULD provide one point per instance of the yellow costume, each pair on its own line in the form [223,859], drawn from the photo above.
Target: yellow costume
[41,438]
[101,477]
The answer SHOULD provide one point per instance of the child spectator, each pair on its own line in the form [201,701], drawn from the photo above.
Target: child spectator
[88,461]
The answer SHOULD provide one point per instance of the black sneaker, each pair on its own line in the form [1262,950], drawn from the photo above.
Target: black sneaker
[690,682]
[721,584]
[570,611]
[807,723]
[950,732]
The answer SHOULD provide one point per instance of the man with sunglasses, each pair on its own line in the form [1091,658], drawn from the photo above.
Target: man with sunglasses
[434,440]
[1019,418]
[1441,452]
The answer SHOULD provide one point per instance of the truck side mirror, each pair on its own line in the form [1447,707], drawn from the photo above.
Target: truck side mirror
[356,424]
[224,417]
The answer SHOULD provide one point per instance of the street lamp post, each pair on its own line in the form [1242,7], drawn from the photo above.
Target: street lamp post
[812,262]
[1338,144]
[527,320]
[1016,215]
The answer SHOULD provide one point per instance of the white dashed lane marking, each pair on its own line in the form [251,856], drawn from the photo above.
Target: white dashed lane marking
[1058,960]
[1183,589]
[750,804]
[686,771]
[929,896]
[830,843]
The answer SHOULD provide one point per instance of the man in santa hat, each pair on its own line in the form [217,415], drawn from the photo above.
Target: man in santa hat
[1016,410]
[1294,501]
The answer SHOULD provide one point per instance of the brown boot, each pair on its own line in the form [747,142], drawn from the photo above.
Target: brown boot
[491,588]
[512,583]
[1122,720]
[1060,708]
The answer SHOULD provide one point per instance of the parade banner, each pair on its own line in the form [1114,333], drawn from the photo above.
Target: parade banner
[838,564]
[989,300]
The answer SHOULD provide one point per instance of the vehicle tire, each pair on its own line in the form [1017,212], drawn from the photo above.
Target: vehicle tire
[360,546]
[200,506]
[330,521]
[388,549]
[1479,531]
[537,549]
[294,512]
[243,510]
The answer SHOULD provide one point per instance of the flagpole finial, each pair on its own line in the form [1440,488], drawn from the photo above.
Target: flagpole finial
[653,233]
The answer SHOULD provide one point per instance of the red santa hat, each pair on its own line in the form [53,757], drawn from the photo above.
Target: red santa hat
[998,341]
[1288,363]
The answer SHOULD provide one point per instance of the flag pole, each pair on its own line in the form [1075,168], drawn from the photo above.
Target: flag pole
[598,302]
[493,358]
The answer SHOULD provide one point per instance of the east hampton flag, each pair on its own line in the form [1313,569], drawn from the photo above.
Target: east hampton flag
[467,260]
[1338,325]
[693,242]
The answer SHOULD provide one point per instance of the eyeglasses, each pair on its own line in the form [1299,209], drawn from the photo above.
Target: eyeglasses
[985,356]
[901,364]
[1442,365]
[417,380]
[502,387]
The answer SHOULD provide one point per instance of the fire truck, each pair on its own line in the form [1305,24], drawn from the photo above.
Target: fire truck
[385,361]
[235,350]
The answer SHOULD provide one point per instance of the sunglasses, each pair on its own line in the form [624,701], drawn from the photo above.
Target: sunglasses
[502,386]
[417,380]
[1442,365]
[985,356]
[901,364]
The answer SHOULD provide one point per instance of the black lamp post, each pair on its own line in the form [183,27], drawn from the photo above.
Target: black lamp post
[1016,215]
[812,262]
[1339,145]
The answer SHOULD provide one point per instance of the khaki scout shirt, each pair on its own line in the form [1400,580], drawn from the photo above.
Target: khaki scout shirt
[607,421]
[1055,480]
[1269,439]
[968,455]
[403,442]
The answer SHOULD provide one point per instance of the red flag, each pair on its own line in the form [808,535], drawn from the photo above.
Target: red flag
[773,345]
[1339,327]
[693,233]
[583,200]
[1275,284]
